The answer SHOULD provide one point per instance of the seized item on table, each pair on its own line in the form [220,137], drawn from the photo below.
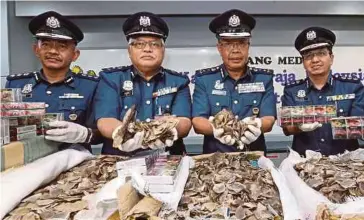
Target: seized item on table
[324,213]
[228,183]
[336,179]
[51,117]
[62,198]
[153,130]
[347,127]
[232,126]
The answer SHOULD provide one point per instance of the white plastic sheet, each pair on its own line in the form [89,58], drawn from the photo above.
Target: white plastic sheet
[20,182]
[308,198]
[290,207]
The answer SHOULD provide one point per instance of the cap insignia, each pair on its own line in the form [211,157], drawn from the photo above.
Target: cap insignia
[144,21]
[234,21]
[311,35]
[53,22]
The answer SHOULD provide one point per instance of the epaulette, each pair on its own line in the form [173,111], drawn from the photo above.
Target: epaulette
[206,71]
[175,73]
[261,70]
[347,78]
[85,76]
[295,83]
[115,69]
[20,76]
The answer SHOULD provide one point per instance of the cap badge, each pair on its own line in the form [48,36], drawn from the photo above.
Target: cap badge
[234,21]
[144,21]
[53,22]
[311,35]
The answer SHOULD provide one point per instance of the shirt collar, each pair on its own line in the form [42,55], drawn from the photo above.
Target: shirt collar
[136,73]
[39,77]
[329,82]
[225,74]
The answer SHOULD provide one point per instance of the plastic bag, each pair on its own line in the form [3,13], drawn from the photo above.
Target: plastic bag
[309,199]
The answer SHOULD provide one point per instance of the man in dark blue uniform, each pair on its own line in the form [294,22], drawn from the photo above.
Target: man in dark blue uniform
[321,88]
[247,92]
[56,85]
[155,91]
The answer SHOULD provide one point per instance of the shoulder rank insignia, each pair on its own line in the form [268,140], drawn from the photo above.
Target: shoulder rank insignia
[77,69]
[206,71]
[20,76]
[346,78]
[91,73]
[116,69]
[86,76]
[261,70]
[295,83]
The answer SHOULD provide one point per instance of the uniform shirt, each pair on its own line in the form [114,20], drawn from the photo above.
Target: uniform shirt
[216,90]
[72,96]
[302,92]
[121,87]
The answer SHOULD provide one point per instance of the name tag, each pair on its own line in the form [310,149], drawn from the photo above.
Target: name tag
[251,87]
[164,91]
[218,92]
[71,96]
[340,97]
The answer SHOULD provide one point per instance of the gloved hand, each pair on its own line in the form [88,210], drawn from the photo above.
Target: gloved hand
[66,132]
[158,144]
[134,143]
[253,131]
[219,134]
[309,126]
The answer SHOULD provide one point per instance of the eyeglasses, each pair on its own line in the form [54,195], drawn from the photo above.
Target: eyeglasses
[311,55]
[231,45]
[58,45]
[143,44]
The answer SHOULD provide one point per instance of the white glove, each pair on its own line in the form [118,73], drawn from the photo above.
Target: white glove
[309,126]
[134,143]
[158,144]
[218,134]
[253,131]
[66,132]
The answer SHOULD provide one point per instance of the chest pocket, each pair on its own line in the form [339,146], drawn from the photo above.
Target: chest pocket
[74,111]
[343,107]
[126,103]
[218,103]
[246,103]
[163,104]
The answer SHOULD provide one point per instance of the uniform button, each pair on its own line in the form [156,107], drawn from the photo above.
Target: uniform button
[255,101]
[167,106]
[148,84]
[147,120]
[320,97]
[147,102]
[236,116]
[236,87]
[235,101]
[46,105]
[49,92]
[341,110]
[217,104]
[322,140]
[73,107]
[125,107]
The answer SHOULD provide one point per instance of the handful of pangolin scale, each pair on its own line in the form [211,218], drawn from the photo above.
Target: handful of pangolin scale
[153,130]
[232,126]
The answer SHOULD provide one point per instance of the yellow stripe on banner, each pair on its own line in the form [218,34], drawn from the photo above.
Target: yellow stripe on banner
[13,154]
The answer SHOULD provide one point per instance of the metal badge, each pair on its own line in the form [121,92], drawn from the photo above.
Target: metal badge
[27,89]
[72,117]
[311,35]
[144,21]
[234,21]
[128,85]
[52,22]
[251,87]
[301,93]
[219,85]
